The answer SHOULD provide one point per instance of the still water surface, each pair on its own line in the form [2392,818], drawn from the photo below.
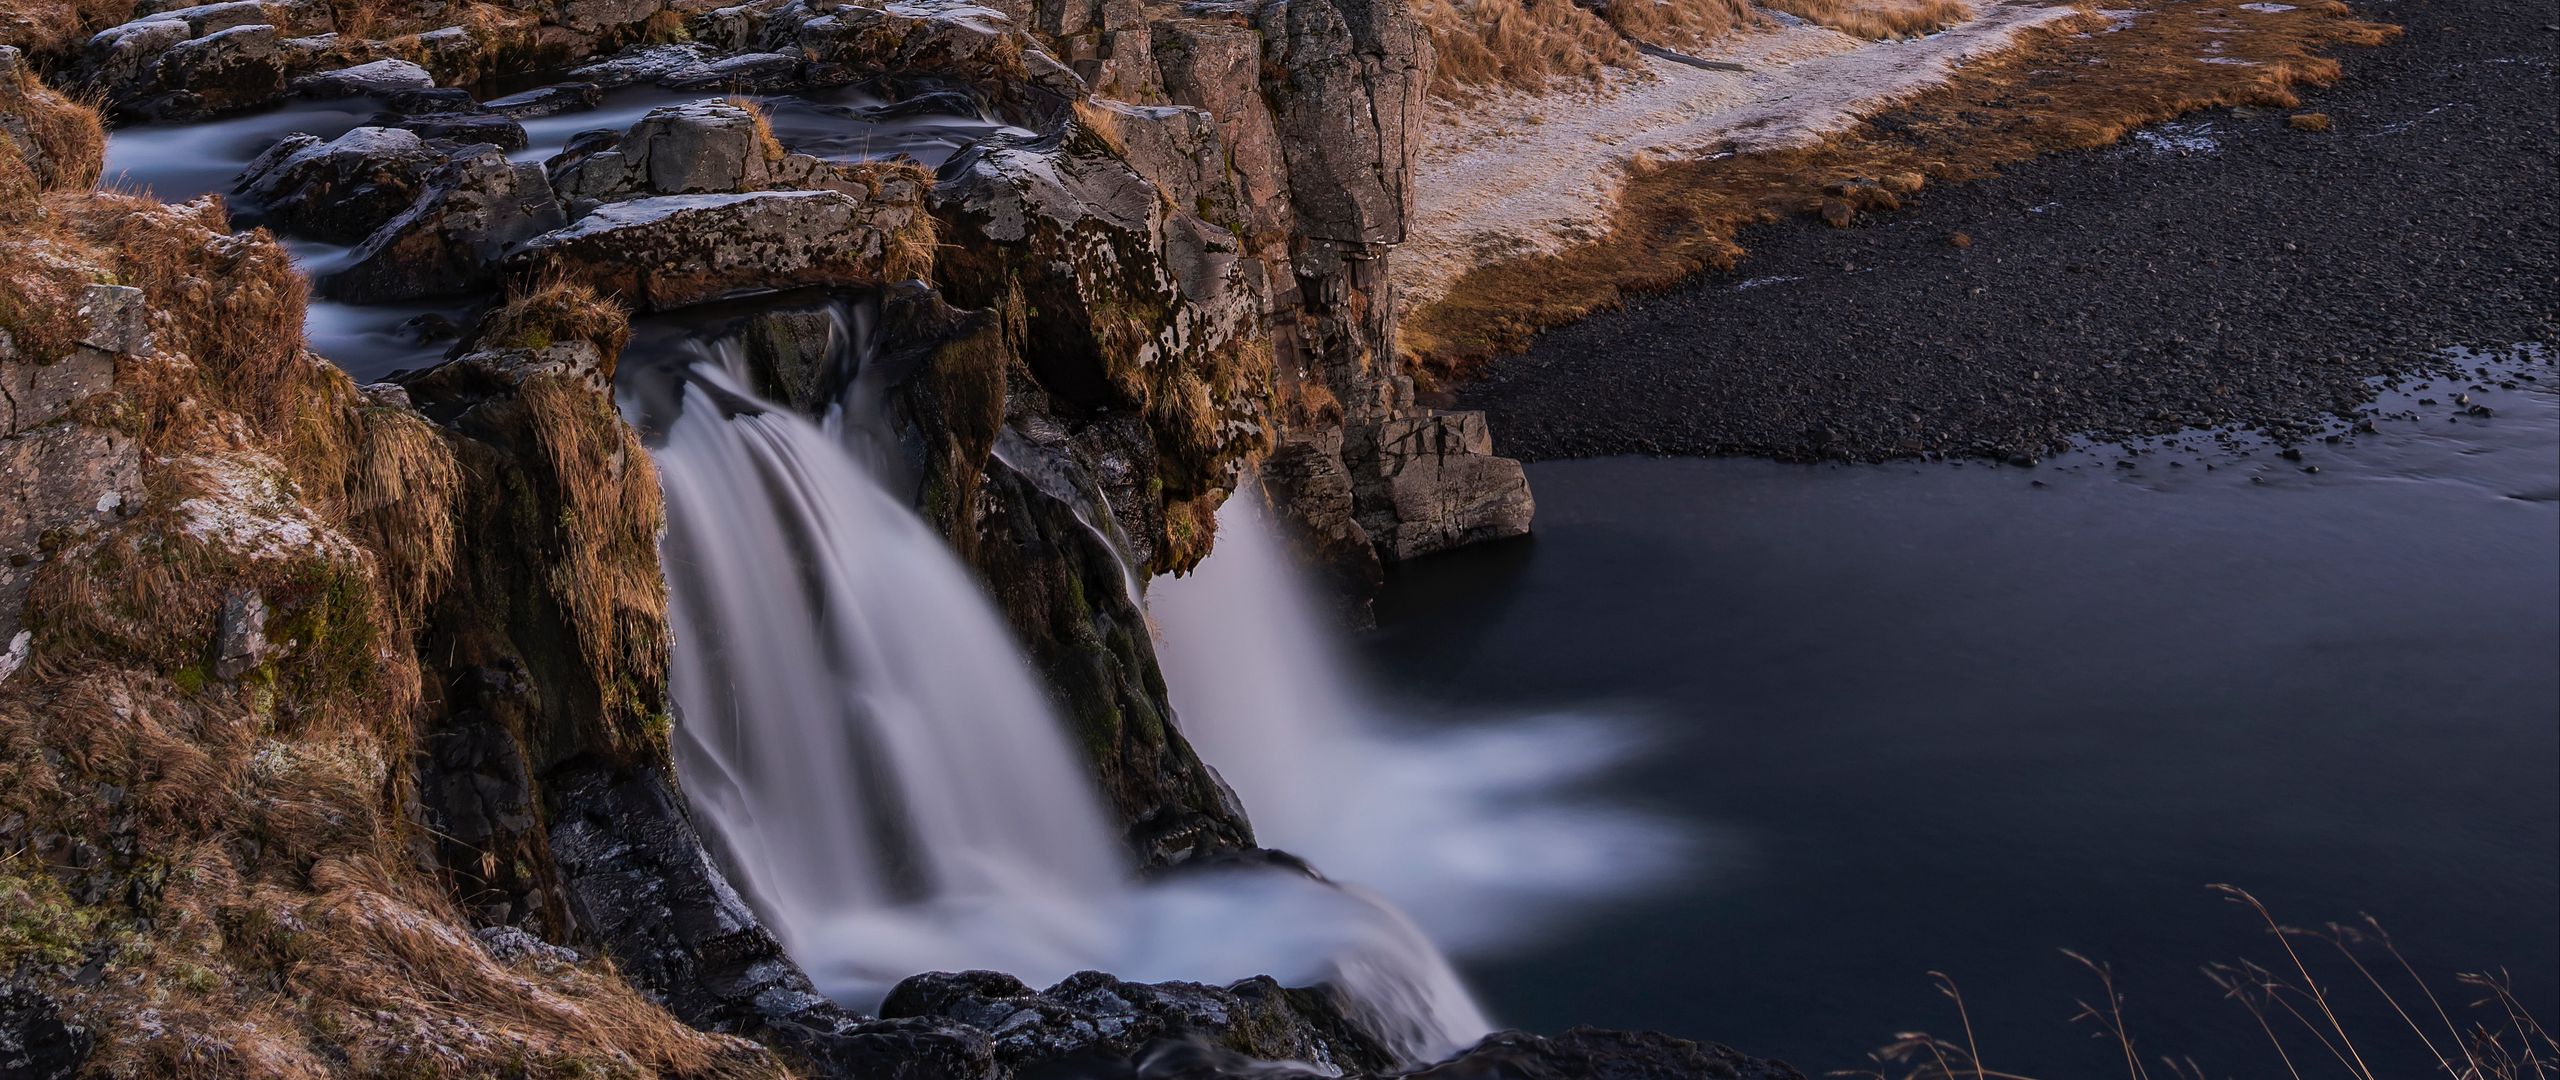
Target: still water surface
[1936,717]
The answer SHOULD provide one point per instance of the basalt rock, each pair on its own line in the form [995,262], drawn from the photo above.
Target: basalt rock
[672,250]
[1585,1053]
[340,190]
[711,147]
[473,210]
[381,78]
[1093,1019]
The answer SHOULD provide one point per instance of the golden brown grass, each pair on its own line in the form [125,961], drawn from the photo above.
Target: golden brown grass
[1880,20]
[69,145]
[230,860]
[2310,121]
[2288,1002]
[553,309]
[1527,44]
[607,579]
[766,143]
[2056,90]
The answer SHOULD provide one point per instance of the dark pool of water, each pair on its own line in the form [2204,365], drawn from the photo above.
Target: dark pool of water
[1936,717]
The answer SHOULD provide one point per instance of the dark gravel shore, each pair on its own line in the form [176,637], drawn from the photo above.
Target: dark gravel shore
[2224,269]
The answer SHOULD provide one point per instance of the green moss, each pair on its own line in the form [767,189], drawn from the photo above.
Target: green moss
[39,923]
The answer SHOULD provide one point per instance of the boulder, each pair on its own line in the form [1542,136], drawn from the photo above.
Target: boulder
[1586,1053]
[338,191]
[474,209]
[671,250]
[548,101]
[947,39]
[1442,487]
[705,147]
[494,129]
[381,78]
[1095,1017]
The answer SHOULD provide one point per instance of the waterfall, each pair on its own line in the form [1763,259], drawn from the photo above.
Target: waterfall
[888,784]
[1477,830]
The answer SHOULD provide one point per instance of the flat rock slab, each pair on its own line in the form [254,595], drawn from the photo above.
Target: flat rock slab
[674,250]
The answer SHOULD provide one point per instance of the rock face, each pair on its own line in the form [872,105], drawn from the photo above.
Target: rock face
[55,472]
[671,250]
[472,210]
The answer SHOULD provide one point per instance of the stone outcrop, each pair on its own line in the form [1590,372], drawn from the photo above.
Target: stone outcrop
[472,211]
[671,250]
[339,190]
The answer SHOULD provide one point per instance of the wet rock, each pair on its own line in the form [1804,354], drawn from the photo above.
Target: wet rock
[1314,501]
[548,101]
[338,191]
[1443,487]
[1585,1053]
[707,147]
[945,39]
[36,1043]
[493,129]
[1093,1017]
[641,883]
[767,71]
[654,64]
[164,68]
[672,250]
[448,242]
[381,78]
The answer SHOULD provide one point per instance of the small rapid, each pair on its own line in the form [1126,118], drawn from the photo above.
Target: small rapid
[886,780]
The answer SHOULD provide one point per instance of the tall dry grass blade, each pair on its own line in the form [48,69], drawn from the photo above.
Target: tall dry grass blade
[2452,1029]
[1972,1046]
[2112,1020]
[2343,938]
[2310,985]
[2236,988]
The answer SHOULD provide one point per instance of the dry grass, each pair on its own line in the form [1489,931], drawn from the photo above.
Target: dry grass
[606,577]
[1881,20]
[228,860]
[2310,121]
[69,146]
[1527,44]
[2057,90]
[55,28]
[554,309]
[2290,1004]
[766,143]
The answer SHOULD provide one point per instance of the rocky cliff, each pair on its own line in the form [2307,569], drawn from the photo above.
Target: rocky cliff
[333,719]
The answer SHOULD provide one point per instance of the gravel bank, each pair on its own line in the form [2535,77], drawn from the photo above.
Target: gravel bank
[2223,269]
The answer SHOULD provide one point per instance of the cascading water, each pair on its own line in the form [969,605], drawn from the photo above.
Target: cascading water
[1472,829]
[888,783]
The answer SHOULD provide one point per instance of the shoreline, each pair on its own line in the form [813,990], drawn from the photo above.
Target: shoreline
[1509,174]
[2226,268]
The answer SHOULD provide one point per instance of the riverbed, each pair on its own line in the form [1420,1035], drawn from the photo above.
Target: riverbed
[1956,717]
